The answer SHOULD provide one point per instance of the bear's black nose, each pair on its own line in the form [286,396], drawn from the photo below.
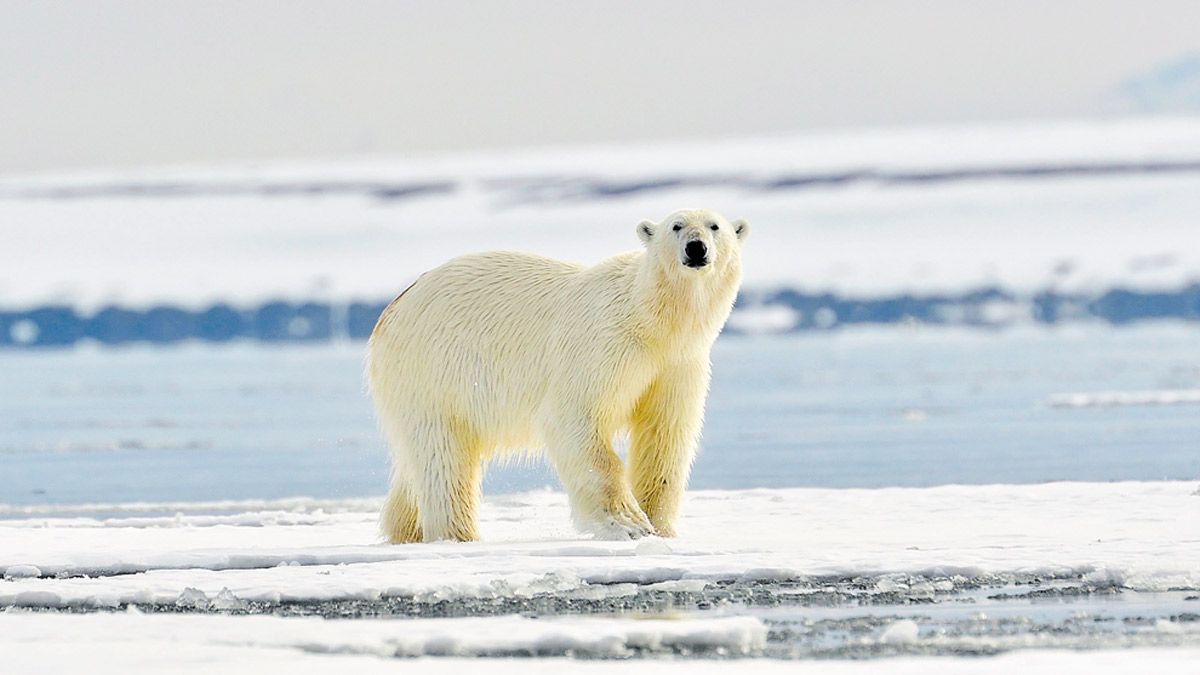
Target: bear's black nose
[697,254]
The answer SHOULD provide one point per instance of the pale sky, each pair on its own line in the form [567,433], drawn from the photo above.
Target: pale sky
[93,83]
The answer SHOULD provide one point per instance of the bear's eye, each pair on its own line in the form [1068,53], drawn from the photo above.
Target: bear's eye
[713,227]
[677,227]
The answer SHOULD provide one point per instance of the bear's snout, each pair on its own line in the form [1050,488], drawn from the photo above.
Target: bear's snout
[696,254]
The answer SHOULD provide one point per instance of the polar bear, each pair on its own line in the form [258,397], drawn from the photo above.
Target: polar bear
[504,352]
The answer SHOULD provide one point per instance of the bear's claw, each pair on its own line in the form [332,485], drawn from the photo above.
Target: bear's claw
[623,525]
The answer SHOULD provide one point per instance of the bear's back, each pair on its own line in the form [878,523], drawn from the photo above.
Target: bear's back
[489,288]
[479,333]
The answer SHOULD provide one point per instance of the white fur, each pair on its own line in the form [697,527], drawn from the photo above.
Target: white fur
[501,352]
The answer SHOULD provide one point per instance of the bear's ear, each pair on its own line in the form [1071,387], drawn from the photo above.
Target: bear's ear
[741,228]
[645,230]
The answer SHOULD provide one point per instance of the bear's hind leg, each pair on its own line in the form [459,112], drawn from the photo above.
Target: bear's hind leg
[399,519]
[448,469]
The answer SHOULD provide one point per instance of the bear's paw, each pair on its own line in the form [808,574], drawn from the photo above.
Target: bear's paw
[621,523]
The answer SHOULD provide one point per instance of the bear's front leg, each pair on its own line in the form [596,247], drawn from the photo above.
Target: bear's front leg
[664,431]
[601,501]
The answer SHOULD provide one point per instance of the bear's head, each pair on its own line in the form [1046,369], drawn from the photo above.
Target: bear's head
[695,243]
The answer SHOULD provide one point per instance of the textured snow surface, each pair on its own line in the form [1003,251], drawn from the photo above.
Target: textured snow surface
[1079,205]
[494,636]
[1143,536]
[125,642]
[220,556]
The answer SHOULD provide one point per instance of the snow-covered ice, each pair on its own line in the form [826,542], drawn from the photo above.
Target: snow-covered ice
[929,550]
[125,641]
[1141,536]
[120,643]
[1022,206]
[492,636]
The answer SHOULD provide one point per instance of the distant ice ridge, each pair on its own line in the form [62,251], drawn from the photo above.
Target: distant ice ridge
[1141,536]
[1111,399]
[1034,216]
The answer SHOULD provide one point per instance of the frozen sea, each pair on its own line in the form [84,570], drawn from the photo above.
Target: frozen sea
[922,496]
[864,408]
[877,493]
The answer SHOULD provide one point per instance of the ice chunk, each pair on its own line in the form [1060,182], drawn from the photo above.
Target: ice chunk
[22,572]
[652,546]
[679,586]
[1167,626]
[192,598]
[37,599]
[226,600]
[902,632]
[891,584]
[921,589]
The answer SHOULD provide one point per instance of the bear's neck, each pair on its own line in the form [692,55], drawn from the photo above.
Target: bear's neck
[682,314]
